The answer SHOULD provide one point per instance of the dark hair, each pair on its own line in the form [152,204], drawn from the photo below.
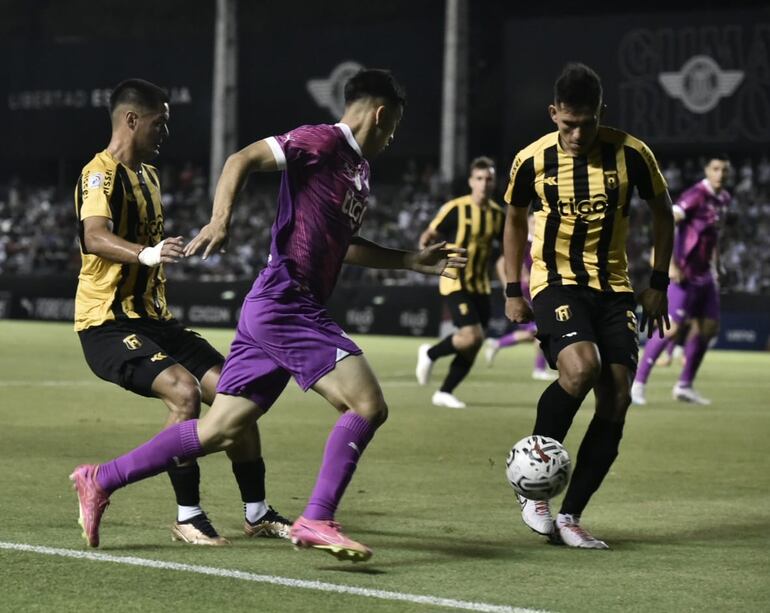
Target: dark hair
[138,91]
[481,163]
[715,155]
[578,87]
[375,83]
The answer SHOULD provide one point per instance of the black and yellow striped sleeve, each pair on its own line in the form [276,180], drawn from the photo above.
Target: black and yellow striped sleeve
[445,221]
[521,187]
[643,170]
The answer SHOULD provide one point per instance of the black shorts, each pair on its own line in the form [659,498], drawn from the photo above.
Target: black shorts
[468,309]
[131,353]
[568,314]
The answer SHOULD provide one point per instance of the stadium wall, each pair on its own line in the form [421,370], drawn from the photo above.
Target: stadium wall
[360,309]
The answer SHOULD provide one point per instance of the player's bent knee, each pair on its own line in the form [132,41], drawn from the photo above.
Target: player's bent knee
[579,377]
[375,411]
[183,397]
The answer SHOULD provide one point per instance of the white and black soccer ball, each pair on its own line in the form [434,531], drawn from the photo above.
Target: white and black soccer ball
[538,467]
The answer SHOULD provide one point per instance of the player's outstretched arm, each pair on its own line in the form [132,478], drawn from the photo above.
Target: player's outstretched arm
[257,157]
[99,239]
[653,300]
[437,259]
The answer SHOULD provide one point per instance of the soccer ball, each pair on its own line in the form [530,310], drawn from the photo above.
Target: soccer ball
[538,467]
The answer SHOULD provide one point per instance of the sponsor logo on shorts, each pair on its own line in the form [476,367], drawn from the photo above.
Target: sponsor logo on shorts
[563,312]
[158,357]
[463,308]
[132,342]
[569,335]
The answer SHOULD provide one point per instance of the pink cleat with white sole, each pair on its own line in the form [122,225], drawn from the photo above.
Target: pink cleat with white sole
[93,501]
[327,536]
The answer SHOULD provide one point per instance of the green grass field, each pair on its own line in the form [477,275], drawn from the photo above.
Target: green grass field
[685,507]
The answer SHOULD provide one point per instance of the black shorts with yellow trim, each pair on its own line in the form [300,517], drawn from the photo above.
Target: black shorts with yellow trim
[469,308]
[567,314]
[133,352]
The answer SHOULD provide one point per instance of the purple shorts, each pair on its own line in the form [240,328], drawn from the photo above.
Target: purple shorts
[280,335]
[693,301]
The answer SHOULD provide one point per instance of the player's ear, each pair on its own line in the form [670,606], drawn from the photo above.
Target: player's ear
[552,112]
[380,115]
[131,119]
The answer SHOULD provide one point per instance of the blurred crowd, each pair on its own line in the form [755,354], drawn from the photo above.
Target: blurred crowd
[38,232]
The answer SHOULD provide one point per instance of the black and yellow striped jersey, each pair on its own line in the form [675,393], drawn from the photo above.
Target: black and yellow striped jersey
[581,207]
[465,224]
[108,290]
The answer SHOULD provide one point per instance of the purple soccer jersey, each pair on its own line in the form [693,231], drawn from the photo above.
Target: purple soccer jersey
[284,329]
[321,203]
[697,234]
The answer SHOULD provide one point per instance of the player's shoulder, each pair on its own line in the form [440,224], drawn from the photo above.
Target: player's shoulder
[455,202]
[316,137]
[99,172]
[535,147]
[618,137]
[496,207]
[101,162]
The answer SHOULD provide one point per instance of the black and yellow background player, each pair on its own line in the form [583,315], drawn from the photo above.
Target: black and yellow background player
[129,336]
[578,182]
[474,222]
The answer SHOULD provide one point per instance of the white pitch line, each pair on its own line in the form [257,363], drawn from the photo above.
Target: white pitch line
[49,383]
[271,579]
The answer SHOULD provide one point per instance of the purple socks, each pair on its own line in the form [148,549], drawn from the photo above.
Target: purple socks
[347,441]
[652,350]
[175,444]
[694,350]
[540,362]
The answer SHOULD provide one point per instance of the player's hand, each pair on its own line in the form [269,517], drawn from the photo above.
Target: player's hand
[438,259]
[654,305]
[518,310]
[212,236]
[172,250]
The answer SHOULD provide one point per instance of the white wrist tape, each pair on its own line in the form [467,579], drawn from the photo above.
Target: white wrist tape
[150,256]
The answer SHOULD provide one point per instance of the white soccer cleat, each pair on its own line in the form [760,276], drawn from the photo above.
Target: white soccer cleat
[424,364]
[573,535]
[543,375]
[491,347]
[637,393]
[688,394]
[445,399]
[536,514]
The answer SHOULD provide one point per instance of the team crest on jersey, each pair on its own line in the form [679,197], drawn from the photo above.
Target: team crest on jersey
[132,342]
[563,312]
[611,179]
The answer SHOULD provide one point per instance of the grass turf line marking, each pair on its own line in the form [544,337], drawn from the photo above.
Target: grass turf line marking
[271,579]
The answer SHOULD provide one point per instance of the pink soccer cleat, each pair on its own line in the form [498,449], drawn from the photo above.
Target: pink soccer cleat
[327,536]
[93,501]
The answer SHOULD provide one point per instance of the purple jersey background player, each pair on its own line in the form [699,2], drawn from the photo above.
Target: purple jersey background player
[693,296]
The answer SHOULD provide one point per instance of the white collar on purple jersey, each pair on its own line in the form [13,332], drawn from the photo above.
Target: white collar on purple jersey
[349,137]
[708,187]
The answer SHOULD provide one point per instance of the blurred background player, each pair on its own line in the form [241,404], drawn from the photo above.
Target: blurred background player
[580,180]
[284,329]
[474,222]
[128,335]
[693,297]
[522,333]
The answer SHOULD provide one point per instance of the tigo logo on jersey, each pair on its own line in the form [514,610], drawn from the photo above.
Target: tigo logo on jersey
[563,312]
[132,342]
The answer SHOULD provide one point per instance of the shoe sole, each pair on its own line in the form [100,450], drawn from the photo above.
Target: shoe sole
[177,536]
[266,532]
[343,554]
